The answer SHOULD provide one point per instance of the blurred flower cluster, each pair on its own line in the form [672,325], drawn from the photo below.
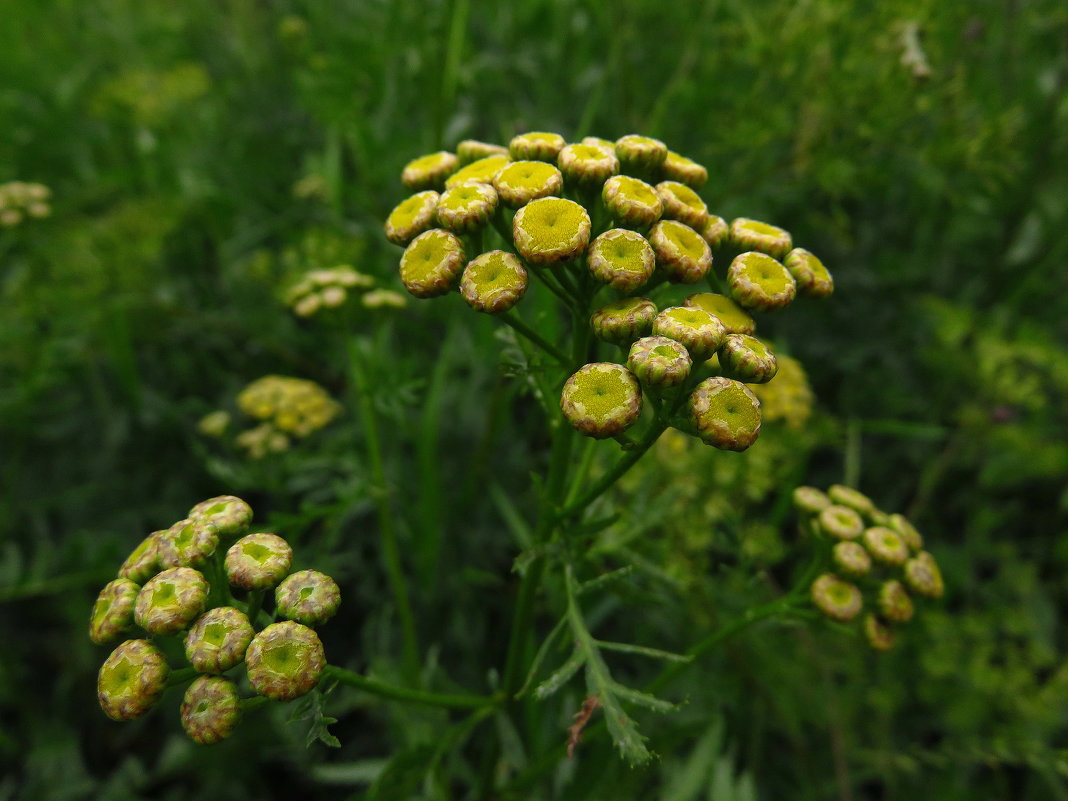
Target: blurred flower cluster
[20,201]
[153,97]
[322,289]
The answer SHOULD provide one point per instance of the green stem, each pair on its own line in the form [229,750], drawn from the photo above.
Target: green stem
[399,693]
[510,318]
[255,602]
[181,676]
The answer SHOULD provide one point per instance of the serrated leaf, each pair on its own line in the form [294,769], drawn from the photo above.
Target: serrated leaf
[561,676]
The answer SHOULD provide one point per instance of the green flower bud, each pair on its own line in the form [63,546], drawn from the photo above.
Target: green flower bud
[463,208]
[258,561]
[536,146]
[734,318]
[431,263]
[749,234]
[748,359]
[659,361]
[714,231]
[411,217]
[551,230]
[143,563]
[851,558]
[113,610]
[478,172]
[218,640]
[601,400]
[725,414]
[813,279]
[604,144]
[631,202]
[308,597]
[494,282]
[687,171]
[878,634]
[894,603]
[429,172]
[683,204]
[702,333]
[188,543]
[680,252]
[210,709]
[523,181]
[284,661]
[839,600]
[622,259]
[624,320]
[759,282]
[587,165]
[886,546]
[229,514]
[171,600]
[908,532]
[471,150]
[810,501]
[854,499]
[841,523]
[923,576]
[131,680]
[640,153]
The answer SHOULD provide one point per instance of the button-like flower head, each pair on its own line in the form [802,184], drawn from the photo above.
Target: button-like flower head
[640,153]
[411,217]
[623,321]
[258,561]
[851,558]
[113,611]
[229,514]
[588,165]
[131,680]
[631,202]
[659,361]
[923,576]
[308,597]
[429,172]
[735,319]
[218,640]
[725,414]
[188,543]
[684,170]
[463,208]
[841,523]
[680,251]
[494,282]
[749,234]
[601,399]
[551,230]
[285,661]
[143,563]
[839,600]
[813,279]
[885,546]
[621,258]
[481,171]
[432,263]
[683,204]
[536,146]
[702,333]
[471,150]
[171,600]
[210,710]
[894,603]
[759,282]
[523,181]
[748,359]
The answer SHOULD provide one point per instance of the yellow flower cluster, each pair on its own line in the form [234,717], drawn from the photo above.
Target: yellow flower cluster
[326,289]
[788,396]
[152,97]
[292,405]
[20,200]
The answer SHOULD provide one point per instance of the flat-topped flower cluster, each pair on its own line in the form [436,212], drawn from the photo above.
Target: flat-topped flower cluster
[179,584]
[602,224]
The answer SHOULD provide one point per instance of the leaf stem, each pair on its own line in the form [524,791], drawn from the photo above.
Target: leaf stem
[511,319]
[399,693]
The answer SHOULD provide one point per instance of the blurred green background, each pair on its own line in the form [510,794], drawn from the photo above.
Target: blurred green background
[202,155]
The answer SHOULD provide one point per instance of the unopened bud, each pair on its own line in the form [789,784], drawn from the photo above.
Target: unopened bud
[308,597]
[131,680]
[471,150]
[466,207]
[432,263]
[210,709]
[923,576]
[624,320]
[621,258]
[113,611]
[258,561]
[878,633]
[601,400]
[480,172]
[841,523]
[640,153]
[681,253]
[143,563]
[759,282]
[702,333]
[494,282]
[659,362]
[171,600]
[285,661]
[229,514]
[523,181]
[894,603]
[748,359]
[908,532]
[687,171]
[749,234]
[851,558]
[813,279]
[683,204]
[587,165]
[631,202]
[735,319]
[810,501]
[837,599]
[715,231]
[429,172]
[725,414]
[536,146]
[188,543]
[885,546]
[854,499]
[411,217]
[551,231]
[218,640]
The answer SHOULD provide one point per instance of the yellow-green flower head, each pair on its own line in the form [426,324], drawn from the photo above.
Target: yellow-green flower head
[894,603]
[261,440]
[623,321]
[810,501]
[908,532]
[218,640]
[605,144]
[494,282]
[294,405]
[748,359]
[759,282]
[749,234]
[171,600]
[659,361]
[878,634]
[131,680]
[702,333]
[411,217]
[113,611]
[551,230]
[285,661]
[143,563]
[684,170]
[229,514]
[621,258]
[383,299]
[885,546]
[735,319]
[602,399]
[432,263]
[683,204]
[479,172]
[813,279]
[214,424]
[536,146]
[725,414]
[429,172]
[841,522]
[587,165]
[523,181]
[681,253]
[307,305]
[210,710]
[463,208]
[258,561]
[308,597]
[923,576]
[854,499]
[631,201]
[188,543]
[789,397]
[851,559]
[471,150]
[640,153]
[714,231]
[839,600]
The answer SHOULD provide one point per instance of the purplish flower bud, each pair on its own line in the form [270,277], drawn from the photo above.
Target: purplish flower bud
[188,543]
[131,680]
[229,514]
[210,710]
[308,597]
[171,600]
[258,561]
[285,661]
[113,611]
[218,640]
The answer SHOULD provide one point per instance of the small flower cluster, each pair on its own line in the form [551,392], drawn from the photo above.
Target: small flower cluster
[287,407]
[20,201]
[620,217]
[874,553]
[331,288]
[789,397]
[163,590]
